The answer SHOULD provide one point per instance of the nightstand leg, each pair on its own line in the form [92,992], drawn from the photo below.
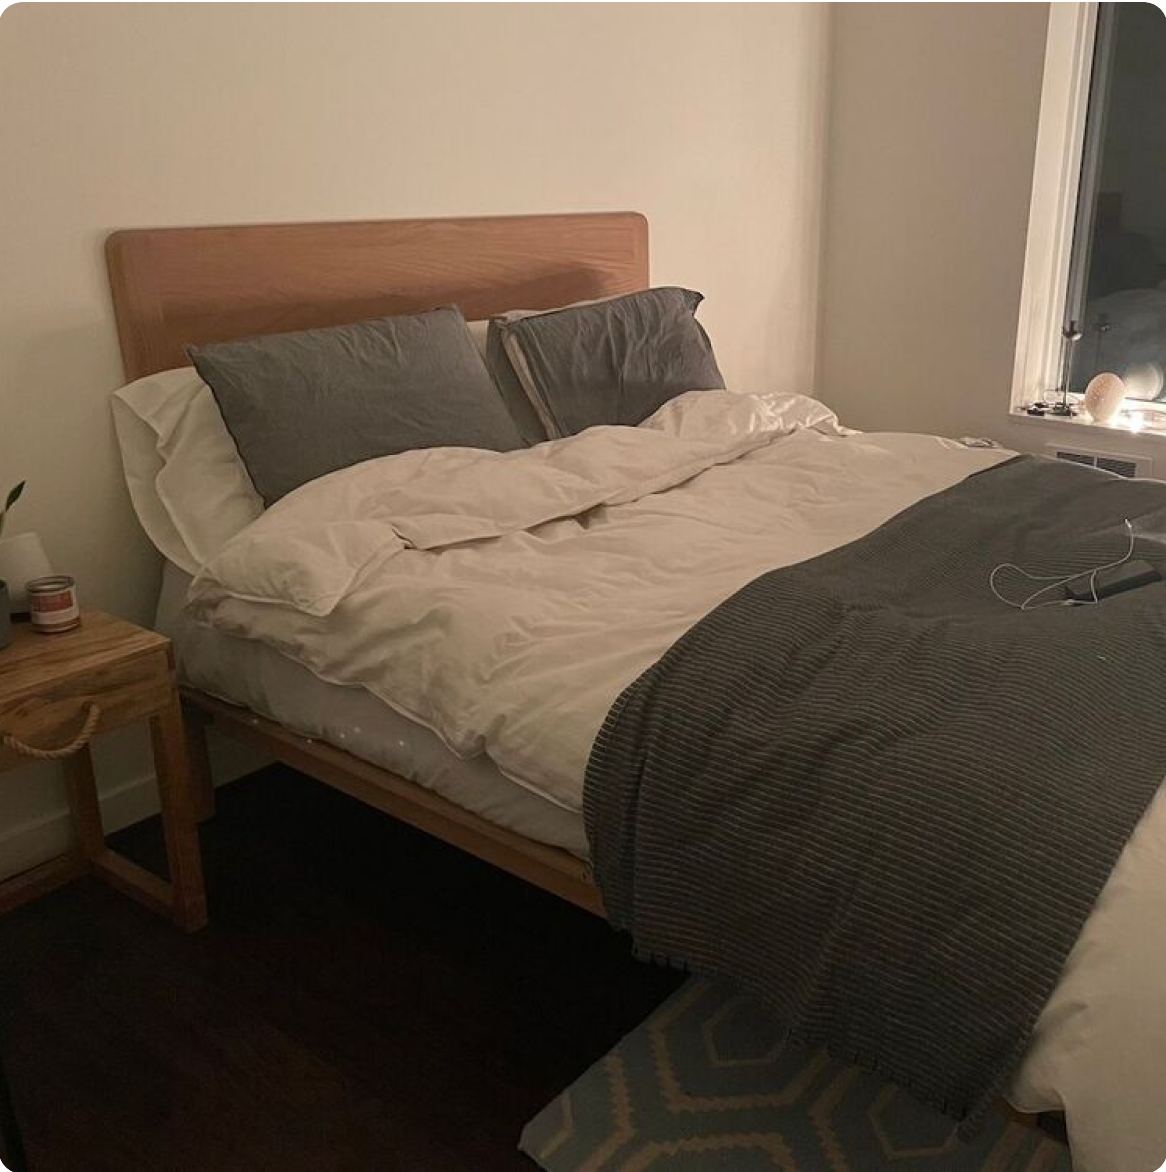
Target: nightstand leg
[200,763]
[172,765]
[82,790]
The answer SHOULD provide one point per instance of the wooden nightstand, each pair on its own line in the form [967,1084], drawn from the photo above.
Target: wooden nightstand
[57,691]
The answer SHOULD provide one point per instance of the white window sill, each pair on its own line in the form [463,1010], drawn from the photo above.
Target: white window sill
[1082,423]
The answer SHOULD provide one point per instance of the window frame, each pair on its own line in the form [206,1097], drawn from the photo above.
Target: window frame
[1092,144]
[1056,186]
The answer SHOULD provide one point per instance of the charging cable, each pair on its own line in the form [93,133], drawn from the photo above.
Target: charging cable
[1059,581]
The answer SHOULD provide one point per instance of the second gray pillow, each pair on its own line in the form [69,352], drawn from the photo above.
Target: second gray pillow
[612,361]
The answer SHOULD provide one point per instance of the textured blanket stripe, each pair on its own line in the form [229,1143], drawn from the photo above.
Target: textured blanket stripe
[853,789]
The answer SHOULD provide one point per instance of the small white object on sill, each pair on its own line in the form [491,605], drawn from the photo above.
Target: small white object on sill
[22,558]
[1104,397]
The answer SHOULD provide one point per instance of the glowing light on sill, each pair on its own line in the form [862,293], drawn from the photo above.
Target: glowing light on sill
[1144,380]
[1136,422]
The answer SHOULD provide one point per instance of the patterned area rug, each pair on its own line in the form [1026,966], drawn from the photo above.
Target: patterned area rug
[703,1084]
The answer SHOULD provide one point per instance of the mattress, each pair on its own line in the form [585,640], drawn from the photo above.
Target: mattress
[249,673]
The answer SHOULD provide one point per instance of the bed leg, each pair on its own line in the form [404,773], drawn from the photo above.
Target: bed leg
[202,781]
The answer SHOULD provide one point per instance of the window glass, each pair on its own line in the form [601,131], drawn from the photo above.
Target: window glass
[1117,284]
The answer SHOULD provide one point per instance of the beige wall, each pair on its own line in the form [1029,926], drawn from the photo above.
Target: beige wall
[708,118]
[933,117]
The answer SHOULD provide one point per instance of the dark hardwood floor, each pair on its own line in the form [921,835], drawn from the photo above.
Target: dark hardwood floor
[364,998]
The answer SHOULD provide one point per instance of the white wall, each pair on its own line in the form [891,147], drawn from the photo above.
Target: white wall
[708,118]
[931,139]
[931,147]
[933,113]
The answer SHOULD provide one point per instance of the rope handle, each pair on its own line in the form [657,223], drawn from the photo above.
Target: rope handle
[84,734]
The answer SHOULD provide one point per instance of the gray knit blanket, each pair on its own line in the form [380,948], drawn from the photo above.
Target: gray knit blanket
[881,800]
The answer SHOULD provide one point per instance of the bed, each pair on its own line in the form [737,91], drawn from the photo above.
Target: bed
[177,286]
[173,287]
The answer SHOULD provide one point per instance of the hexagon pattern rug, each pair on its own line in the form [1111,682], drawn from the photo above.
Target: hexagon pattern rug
[705,1085]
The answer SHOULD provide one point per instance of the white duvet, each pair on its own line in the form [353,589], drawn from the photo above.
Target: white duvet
[505,599]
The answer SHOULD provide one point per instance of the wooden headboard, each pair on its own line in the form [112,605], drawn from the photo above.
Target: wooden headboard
[174,287]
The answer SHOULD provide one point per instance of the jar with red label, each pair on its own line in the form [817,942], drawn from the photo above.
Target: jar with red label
[52,604]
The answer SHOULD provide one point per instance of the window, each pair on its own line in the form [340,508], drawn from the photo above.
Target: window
[1096,260]
[1117,272]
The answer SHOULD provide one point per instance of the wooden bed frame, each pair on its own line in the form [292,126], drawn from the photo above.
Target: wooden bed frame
[175,287]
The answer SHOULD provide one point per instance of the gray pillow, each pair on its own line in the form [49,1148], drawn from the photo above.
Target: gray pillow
[304,404]
[613,361]
[524,415]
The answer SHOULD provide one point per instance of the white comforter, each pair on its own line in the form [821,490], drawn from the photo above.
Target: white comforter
[505,599]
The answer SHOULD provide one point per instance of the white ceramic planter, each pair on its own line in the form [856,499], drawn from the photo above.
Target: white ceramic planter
[22,558]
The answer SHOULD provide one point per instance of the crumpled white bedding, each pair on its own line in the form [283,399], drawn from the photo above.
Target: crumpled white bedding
[505,599]
[242,671]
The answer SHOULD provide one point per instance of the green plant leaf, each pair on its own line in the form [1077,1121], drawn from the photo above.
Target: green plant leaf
[14,495]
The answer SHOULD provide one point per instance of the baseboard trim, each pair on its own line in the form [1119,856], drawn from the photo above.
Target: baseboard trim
[35,840]
[38,839]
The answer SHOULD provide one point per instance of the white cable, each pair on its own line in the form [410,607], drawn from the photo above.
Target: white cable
[1055,580]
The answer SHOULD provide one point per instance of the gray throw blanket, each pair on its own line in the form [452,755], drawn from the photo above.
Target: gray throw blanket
[882,801]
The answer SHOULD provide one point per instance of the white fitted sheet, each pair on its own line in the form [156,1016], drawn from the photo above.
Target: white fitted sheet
[244,671]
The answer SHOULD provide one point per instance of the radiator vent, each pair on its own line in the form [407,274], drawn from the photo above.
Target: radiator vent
[1123,465]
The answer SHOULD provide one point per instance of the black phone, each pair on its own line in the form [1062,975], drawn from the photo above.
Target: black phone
[1115,580]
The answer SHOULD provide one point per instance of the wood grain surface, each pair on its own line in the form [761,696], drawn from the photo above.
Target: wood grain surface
[176,287]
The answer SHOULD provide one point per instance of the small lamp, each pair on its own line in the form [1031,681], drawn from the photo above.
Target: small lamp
[1104,397]
[22,558]
[1070,336]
